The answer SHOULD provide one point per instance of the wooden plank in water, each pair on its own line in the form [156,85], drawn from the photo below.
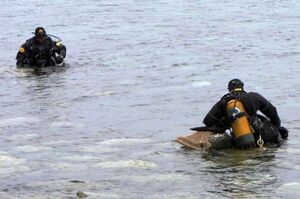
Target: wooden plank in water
[198,140]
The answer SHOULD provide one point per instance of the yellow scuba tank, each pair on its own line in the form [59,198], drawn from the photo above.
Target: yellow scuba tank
[239,123]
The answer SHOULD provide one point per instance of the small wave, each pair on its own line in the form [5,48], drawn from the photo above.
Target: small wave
[293,151]
[18,121]
[100,93]
[156,178]
[289,190]
[31,148]
[179,65]
[6,70]
[184,194]
[23,72]
[127,164]
[94,94]
[67,166]
[66,124]
[139,105]
[10,164]
[125,141]
[98,149]
[80,158]
[23,136]
[200,83]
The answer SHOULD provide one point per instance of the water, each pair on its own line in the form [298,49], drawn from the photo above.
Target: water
[140,74]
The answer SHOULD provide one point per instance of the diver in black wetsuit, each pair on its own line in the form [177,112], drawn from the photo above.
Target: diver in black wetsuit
[269,129]
[41,51]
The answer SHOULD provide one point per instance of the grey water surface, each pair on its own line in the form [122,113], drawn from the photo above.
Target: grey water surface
[140,73]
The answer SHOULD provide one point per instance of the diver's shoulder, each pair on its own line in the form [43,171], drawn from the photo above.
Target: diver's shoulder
[30,40]
[227,95]
[253,93]
[225,98]
[48,39]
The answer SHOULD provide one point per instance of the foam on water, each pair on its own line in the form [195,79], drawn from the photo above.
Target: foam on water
[93,189]
[140,164]
[18,121]
[251,162]
[23,72]
[293,151]
[23,136]
[66,124]
[200,83]
[57,142]
[181,194]
[10,164]
[4,70]
[98,148]
[289,190]
[67,166]
[160,177]
[80,158]
[12,170]
[7,160]
[99,93]
[31,148]
[125,141]
[286,165]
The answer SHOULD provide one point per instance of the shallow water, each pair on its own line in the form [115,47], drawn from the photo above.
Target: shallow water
[141,73]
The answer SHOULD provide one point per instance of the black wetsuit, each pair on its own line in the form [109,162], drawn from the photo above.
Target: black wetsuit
[252,102]
[40,54]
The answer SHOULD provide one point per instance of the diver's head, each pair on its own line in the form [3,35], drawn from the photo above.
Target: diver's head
[40,34]
[235,85]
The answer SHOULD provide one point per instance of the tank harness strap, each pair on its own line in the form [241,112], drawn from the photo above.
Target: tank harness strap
[234,117]
[260,142]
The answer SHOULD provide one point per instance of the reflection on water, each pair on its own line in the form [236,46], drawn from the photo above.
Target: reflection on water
[242,174]
[46,71]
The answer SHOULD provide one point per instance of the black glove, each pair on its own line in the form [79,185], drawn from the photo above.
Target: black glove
[59,59]
[27,61]
[284,132]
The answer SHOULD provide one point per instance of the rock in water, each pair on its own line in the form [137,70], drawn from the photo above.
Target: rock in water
[80,194]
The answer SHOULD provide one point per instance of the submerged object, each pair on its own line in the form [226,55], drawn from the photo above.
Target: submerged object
[198,140]
[201,140]
[81,194]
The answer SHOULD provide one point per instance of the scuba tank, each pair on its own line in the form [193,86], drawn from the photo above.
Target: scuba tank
[239,123]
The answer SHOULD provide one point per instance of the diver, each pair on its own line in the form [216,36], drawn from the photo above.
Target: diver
[237,111]
[40,51]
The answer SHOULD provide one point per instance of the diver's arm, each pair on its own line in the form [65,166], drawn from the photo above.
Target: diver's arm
[268,109]
[214,116]
[60,49]
[21,57]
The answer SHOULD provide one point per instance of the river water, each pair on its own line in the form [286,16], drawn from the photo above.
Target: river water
[139,74]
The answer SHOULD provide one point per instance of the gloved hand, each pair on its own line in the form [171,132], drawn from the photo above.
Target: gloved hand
[59,59]
[27,61]
[284,132]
